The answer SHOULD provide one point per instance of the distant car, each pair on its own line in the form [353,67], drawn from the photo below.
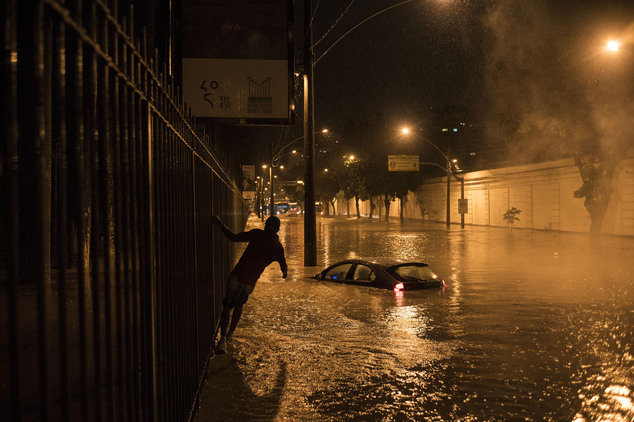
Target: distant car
[387,274]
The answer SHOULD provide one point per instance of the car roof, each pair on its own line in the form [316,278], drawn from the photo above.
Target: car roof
[382,262]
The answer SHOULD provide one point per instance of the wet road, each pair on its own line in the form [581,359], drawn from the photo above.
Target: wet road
[532,326]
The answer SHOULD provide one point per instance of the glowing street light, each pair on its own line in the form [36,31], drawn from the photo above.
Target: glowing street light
[325,170]
[294,151]
[264,166]
[406,131]
[324,131]
[282,167]
[351,157]
[613,46]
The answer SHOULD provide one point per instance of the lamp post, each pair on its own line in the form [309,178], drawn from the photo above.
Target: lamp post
[448,169]
[310,224]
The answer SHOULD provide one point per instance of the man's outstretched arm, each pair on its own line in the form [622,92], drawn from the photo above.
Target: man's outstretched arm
[234,237]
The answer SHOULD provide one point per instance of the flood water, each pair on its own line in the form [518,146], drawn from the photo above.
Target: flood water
[532,325]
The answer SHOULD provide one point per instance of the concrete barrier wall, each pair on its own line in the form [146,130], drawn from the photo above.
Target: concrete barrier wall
[543,192]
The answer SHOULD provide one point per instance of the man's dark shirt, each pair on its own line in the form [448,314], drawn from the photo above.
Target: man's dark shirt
[264,248]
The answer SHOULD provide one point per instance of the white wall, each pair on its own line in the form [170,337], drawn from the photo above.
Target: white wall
[544,193]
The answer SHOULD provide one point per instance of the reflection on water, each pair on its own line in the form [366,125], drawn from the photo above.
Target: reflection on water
[531,325]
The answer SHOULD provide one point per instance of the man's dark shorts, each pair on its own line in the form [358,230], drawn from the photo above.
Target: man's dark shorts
[237,293]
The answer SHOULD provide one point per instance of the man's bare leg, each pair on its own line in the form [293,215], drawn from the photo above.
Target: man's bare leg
[235,318]
[221,346]
[224,320]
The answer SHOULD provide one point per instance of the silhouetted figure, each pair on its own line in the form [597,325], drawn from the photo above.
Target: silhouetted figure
[264,248]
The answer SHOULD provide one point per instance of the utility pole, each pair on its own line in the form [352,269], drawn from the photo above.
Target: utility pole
[448,191]
[462,197]
[310,223]
[272,213]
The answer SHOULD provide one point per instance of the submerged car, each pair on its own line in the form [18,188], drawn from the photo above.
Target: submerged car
[385,274]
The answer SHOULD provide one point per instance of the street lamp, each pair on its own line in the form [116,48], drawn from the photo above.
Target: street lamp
[449,172]
[279,154]
[613,46]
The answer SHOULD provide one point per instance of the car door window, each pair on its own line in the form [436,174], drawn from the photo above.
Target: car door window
[338,273]
[363,273]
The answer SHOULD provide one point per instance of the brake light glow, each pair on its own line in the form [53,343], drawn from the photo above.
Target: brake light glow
[398,286]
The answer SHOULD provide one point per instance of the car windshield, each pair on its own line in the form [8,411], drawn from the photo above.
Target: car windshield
[418,272]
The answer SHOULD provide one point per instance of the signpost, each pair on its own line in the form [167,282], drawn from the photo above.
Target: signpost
[463,206]
[402,162]
[238,60]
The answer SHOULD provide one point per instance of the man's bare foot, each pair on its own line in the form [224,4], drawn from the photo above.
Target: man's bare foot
[221,346]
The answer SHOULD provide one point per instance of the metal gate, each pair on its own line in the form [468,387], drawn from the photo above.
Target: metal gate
[111,272]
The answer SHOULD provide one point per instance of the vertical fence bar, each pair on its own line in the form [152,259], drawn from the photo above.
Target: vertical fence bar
[79,208]
[58,123]
[93,138]
[150,259]
[126,185]
[116,225]
[35,177]
[10,207]
[105,204]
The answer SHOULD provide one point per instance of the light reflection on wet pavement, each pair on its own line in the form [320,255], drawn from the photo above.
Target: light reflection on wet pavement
[532,326]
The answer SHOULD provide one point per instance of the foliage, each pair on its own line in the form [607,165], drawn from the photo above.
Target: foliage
[296,194]
[511,216]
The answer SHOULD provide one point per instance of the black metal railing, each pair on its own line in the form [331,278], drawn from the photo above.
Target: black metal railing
[111,272]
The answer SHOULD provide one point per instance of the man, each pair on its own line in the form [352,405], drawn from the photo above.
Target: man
[264,247]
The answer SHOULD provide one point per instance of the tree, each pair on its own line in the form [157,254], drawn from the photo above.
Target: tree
[352,180]
[326,188]
[511,216]
[296,194]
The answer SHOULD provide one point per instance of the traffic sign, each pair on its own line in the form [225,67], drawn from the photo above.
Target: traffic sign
[463,206]
[402,162]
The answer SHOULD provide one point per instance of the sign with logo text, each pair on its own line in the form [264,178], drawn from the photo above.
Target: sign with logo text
[238,60]
[402,162]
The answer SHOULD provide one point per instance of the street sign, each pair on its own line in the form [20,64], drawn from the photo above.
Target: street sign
[248,181]
[238,61]
[402,162]
[463,206]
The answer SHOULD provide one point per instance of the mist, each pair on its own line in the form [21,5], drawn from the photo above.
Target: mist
[553,90]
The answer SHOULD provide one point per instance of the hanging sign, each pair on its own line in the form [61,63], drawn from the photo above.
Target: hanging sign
[238,60]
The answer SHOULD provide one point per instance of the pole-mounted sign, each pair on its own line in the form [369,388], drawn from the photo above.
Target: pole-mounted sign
[248,181]
[402,162]
[463,206]
[238,60]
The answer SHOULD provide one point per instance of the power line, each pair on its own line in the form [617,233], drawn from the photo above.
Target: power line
[335,24]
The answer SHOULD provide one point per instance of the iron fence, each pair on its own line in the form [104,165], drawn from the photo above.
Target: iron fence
[111,272]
